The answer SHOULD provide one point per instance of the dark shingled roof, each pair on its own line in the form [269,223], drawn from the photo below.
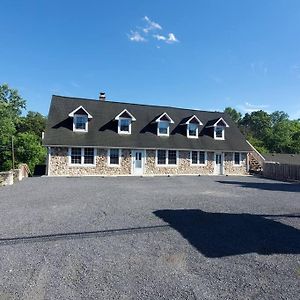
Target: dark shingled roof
[102,128]
[281,158]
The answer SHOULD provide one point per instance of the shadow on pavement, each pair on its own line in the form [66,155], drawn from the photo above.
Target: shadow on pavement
[225,234]
[284,187]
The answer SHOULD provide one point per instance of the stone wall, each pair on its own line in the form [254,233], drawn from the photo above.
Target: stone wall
[59,164]
[183,167]
[6,178]
[231,169]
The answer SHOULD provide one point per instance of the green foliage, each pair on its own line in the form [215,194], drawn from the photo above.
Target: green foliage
[25,131]
[273,132]
[29,149]
[234,114]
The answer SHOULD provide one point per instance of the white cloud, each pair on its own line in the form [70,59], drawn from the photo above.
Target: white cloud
[249,108]
[151,25]
[149,32]
[159,37]
[135,36]
[171,38]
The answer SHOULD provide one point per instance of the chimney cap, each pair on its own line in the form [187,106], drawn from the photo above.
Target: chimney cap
[102,96]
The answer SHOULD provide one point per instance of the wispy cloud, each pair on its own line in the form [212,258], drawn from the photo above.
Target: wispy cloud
[149,31]
[135,36]
[259,67]
[249,108]
[150,25]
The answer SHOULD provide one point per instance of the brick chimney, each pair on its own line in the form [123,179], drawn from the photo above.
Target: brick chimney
[102,96]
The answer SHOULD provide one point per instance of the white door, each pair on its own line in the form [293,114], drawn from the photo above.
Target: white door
[218,163]
[137,162]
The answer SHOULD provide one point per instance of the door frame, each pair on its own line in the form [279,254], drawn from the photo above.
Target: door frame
[133,152]
[222,163]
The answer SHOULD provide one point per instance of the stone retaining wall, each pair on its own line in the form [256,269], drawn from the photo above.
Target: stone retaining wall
[59,164]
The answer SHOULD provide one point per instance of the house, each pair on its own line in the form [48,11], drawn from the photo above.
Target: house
[99,137]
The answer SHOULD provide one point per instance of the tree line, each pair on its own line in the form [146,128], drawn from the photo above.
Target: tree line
[21,135]
[268,132]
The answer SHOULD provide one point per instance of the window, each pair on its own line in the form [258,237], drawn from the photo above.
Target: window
[198,158]
[219,133]
[114,157]
[192,130]
[80,123]
[88,157]
[194,157]
[161,157]
[166,157]
[76,156]
[172,157]
[237,158]
[82,156]
[124,126]
[163,128]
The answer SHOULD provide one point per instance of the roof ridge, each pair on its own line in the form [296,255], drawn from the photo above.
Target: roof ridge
[138,104]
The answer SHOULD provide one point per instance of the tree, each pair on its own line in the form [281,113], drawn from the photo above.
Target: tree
[28,149]
[34,122]
[234,114]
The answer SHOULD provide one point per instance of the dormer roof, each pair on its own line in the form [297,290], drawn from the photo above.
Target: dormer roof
[216,122]
[80,110]
[164,117]
[125,114]
[193,120]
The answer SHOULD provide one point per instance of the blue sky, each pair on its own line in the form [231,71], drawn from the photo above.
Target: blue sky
[197,54]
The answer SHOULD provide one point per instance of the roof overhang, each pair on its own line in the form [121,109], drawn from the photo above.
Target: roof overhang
[193,117]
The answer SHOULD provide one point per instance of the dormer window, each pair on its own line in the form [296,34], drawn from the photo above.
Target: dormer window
[125,126]
[124,118]
[163,128]
[80,119]
[80,123]
[163,125]
[218,126]
[192,127]
[219,133]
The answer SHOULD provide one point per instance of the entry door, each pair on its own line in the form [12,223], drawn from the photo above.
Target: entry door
[138,162]
[218,163]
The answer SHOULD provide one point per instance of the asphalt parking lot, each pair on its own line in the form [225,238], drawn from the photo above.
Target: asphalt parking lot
[150,238]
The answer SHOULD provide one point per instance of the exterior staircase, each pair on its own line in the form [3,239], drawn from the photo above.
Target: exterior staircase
[256,161]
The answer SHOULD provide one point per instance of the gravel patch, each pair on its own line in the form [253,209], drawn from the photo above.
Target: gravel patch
[150,238]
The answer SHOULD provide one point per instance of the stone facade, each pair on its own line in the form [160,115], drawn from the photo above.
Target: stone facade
[59,164]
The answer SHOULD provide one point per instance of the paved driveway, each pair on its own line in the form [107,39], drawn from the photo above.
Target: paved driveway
[150,238]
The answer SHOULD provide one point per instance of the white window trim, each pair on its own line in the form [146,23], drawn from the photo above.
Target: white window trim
[198,158]
[82,164]
[125,111]
[223,133]
[188,132]
[119,126]
[240,158]
[86,123]
[168,128]
[167,159]
[108,158]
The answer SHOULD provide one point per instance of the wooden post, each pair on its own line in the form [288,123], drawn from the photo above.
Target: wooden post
[12,152]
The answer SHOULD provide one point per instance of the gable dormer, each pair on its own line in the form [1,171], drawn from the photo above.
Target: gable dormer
[80,119]
[218,126]
[163,124]
[192,127]
[124,118]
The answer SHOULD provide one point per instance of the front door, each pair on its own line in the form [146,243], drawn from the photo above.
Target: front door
[218,163]
[137,162]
